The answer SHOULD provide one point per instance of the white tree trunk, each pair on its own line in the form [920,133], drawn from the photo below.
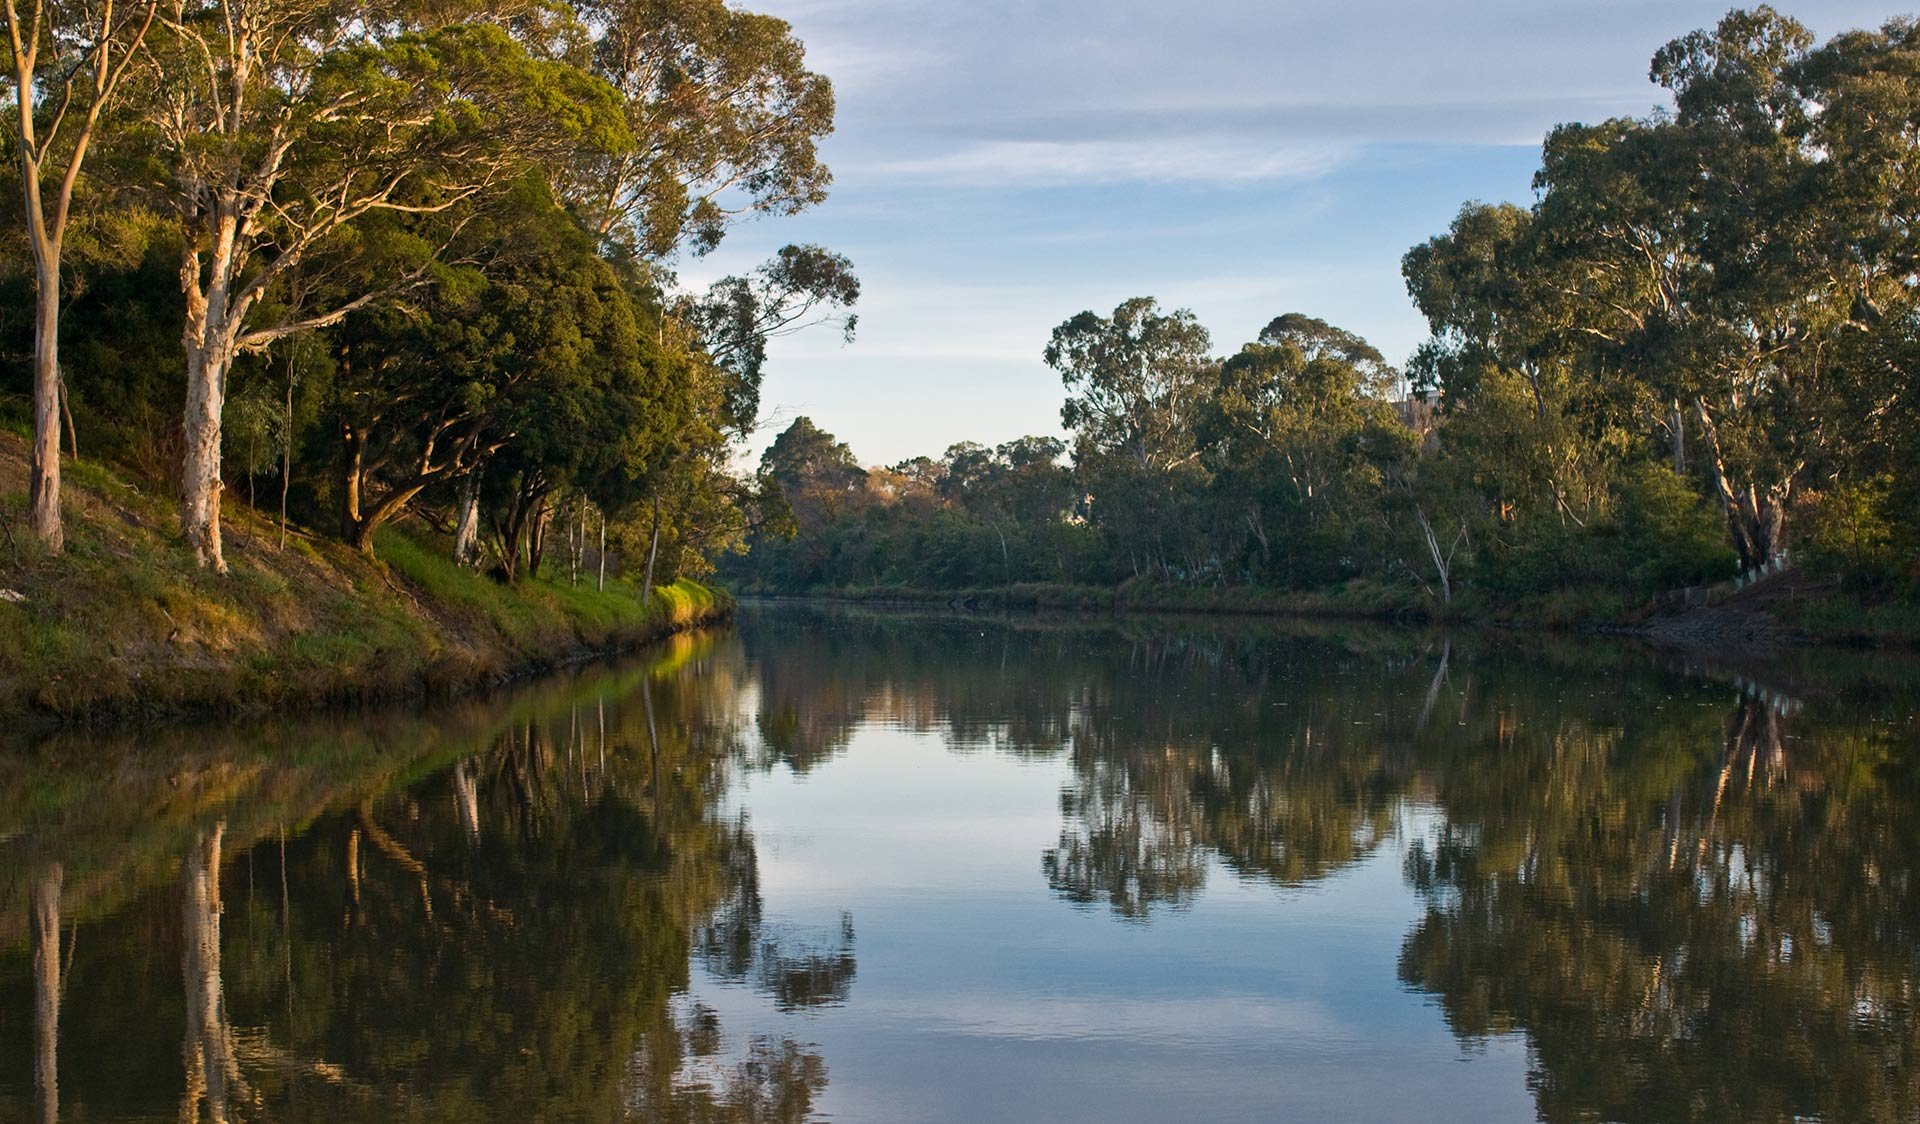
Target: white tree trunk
[43,481]
[466,535]
[1442,563]
[200,473]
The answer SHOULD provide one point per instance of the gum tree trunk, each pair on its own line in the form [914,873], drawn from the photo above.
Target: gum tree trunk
[1756,514]
[98,47]
[466,535]
[208,339]
[43,480]
[200,482]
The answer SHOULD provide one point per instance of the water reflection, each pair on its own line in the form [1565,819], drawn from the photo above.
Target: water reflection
[1693,896]
[508,938]
[1688,889]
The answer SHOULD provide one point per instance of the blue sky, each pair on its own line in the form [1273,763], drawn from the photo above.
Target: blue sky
[1001,166]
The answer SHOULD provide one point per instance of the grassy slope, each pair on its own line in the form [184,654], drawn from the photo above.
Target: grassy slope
[124,622]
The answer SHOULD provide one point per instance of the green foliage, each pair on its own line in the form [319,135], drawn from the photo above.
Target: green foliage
[1856,529]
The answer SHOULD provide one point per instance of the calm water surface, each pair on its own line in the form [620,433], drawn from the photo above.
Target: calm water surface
[898,868]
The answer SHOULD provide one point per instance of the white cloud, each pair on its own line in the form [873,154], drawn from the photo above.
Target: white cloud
[1046,163]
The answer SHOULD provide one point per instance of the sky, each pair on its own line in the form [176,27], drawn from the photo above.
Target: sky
[1000,166]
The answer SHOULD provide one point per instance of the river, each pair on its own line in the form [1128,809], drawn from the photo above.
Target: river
[910,867]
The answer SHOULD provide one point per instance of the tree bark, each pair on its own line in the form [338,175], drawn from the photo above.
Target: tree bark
[601,582]
[653,552]
[46,996]
[537,530]
[1756,515]
[286,451]
[352,470]
[66,417]
[576,542]
[466,535]
[94,79]
[377,516]
[1442,563]
[43,479]
[200,482]
[1677,438]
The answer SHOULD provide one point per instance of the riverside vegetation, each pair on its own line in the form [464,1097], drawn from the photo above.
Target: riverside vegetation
[124,622]
[404,276]
[1689,364]
[376,368]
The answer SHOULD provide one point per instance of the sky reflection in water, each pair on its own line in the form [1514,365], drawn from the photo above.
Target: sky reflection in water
[882,867]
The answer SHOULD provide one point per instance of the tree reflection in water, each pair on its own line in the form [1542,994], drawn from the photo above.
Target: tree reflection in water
[509,939]
[1685,936]
[1694,896]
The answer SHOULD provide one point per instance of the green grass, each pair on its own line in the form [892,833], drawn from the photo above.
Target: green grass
[124,622]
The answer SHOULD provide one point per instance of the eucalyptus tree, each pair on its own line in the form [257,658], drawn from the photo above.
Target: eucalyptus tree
[1298,431]
[532,357]
[801,287]
[1759,324]
[1135,381]
[70,59]
[689,495]
[277,125]
[725,115]
[1868,252]
[1525,405]
[1136,385]
[1678,268]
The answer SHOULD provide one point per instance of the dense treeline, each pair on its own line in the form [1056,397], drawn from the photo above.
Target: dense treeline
[1690,358]
[352,260]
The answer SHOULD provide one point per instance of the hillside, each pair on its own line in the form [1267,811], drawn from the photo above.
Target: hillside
[124,623]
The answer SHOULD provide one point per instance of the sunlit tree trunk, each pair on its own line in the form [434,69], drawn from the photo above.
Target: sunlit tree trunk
[576,541]
[43,480]
[208,341]
[45,921]
[87,52]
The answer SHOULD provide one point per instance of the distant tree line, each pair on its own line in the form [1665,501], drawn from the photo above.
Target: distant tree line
[1692,357]
[352,260]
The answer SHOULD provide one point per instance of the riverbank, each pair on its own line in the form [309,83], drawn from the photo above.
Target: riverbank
[1789,610]
[123,624]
